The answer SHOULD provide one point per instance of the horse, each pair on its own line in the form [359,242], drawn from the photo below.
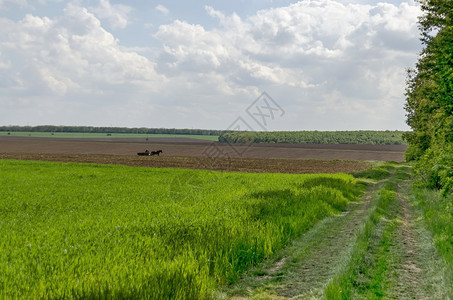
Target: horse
[156,152]
[146,153]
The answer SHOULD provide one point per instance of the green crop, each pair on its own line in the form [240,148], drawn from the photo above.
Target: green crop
[98,231]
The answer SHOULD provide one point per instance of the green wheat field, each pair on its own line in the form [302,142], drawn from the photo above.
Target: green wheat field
[72,230]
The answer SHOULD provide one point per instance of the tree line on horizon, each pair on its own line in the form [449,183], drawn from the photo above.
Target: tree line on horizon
[290,137]
[429,99]
[316,137]
[92,129]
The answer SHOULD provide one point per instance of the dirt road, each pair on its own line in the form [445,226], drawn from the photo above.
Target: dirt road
[398,259]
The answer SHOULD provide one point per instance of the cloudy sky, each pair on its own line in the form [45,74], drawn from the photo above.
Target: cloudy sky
[328,64]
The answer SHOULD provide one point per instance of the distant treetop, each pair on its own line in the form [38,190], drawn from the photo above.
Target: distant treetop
[316,137]
[92,129]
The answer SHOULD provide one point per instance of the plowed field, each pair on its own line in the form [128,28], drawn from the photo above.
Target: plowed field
[197,154]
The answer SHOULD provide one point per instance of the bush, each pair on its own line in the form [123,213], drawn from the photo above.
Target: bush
[435,170]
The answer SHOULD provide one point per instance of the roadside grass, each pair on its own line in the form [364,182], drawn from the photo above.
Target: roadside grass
[105,135]
[380,172]
[437,212]
[73,230]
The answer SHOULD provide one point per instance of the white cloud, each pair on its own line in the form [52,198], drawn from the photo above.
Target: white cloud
[162,9]
[70,70]
[116,14]
[72,54]
[329,65]
[357,52]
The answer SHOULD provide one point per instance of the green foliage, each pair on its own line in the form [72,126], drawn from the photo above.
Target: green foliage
[435,170]
[315,137]
[106,130]
[429,98]
[100,231]
[438,15]
[419,142]
[97,135]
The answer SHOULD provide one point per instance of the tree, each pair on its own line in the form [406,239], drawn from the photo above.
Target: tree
[429,96]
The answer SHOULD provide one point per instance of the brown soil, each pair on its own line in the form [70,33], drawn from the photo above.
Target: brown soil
[183,147]
[199,154]
[220,164]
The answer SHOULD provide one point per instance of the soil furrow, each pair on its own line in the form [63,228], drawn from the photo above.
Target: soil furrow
[195,148]
[254,165]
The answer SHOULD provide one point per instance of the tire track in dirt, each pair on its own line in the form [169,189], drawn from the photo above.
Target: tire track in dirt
[408,270]
[313,260]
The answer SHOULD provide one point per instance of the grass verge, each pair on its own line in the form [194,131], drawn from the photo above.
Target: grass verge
[437,211]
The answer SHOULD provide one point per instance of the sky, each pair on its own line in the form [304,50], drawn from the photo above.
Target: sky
[321,64]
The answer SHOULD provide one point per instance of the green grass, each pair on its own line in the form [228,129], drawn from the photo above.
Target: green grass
[376,173]
[99,231]
[438,216]
[105,135]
